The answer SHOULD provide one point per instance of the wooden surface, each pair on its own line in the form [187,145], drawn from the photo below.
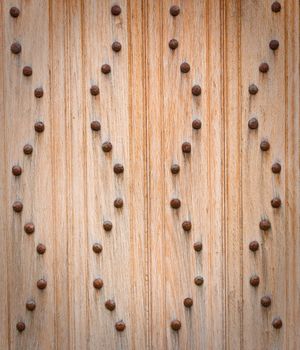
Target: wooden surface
[146,108]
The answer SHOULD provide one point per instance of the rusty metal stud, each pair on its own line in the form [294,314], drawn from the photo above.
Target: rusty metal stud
[105,69]
[95,125]
[253,123]
[254,246]
[41,284]
[199,280]
[110,305]
[175,325]
[17,206]
[107,225]
[196,90]
[185,67]
[106,146]
[264,67]
[253,89]
[175,203]
[16,48]
[97,248]
[116,46]
[186,147]
[20,326]
[265,224]
[173,44]
[264,145]
[29,228]
[175,168]
[276,168]
[118,168]
[116,10]
[14,12]
[276,7]
[39,92]
[174,10]
[276,202]
[30,305]
[198,246]
[196,124]
[118,203]
[277,323]
[120,326]
[187,225]
[27,149]
[188,302]
[265,301]
[16,170]
[27,71]
[39,126]
[94,90]
[41,248]
[98,283]
[274,44]
[254,281]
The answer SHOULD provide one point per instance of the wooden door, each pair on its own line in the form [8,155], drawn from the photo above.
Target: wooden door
[150,174]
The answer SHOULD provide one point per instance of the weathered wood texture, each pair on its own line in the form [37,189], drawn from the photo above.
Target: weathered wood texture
[146,109]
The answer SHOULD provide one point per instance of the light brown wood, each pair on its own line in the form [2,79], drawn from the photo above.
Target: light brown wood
[146,108]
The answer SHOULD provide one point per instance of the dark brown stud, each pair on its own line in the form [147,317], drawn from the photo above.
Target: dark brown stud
[187,225]
[196,124]
[110,305]
[30,305]
[254,281]
[198,246]
[39,126]
[41,248]
[174,10]
[116,46]
[105,69]
[97,248]
[118,203]
[196,90]
[175,325]
[175,203]
[188,302]
[107,225]
[94,90]
[265,301]
[14,12]
[264,145]
[254,246]
[253,123]
[173,44]
[120,326]
[16,48]
[175,168]
[16,170]
[118,168]
[276,7]
[41,284]
[265,225]
[21,326]
[264,67]
[199,280]
[186,147]
[274,44]
[277,323]
[116,10]
[185,67]
[27,71]
[106,146]
[29,228]
[253,89]
[17,206]
[276,202]
[39,92]
[276,168]
[98,283]
[27,149]
[95,125]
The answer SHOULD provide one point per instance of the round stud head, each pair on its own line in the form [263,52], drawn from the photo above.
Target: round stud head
[277,323]
[27,71]
[175,168]
[41,248]
[198,246]
[196,124]
[253,123]
[274,44]
[41,284]
[16,170]
[118,168]
[39,92]
[188,302]
[107,146]
[116,10]
[98,283]
[20,326]
[264,67]
[118,203]
[254,246]
[29,228]
[276,202]
[105,69]
[175,325]
[116,46]
[185,67]
[276,168]
[97,248]
[196,90]
[17,206]
[186,147]
[254,281]
[95,125]
[120,326]
[16,48]
[27,149]
[110,305]
[39,126]
[276,7]
[14,12]
[265,224]
[187,225]
[30,305]
[264,145]
[107,225]
[265,301]
[94,90]
[174,10]
[173,44]
[253,89]
[175,203]
[199,280]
